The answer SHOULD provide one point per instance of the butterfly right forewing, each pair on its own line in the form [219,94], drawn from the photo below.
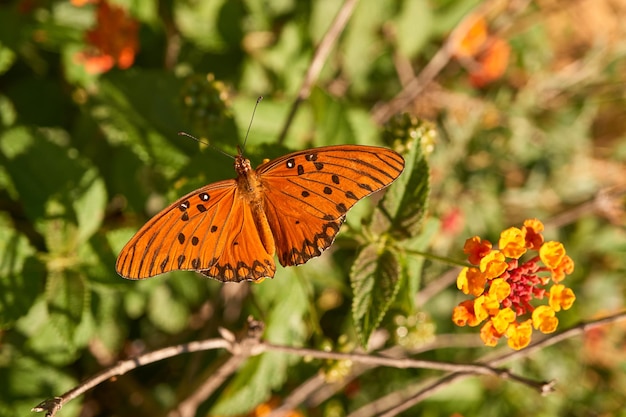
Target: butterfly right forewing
[308,193]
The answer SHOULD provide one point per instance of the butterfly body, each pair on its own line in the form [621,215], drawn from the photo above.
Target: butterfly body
[292,206]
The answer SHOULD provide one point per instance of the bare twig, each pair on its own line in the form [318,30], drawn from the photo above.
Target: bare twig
[244,347]
[396,402]
[414,87]
[251,345]
[317,63]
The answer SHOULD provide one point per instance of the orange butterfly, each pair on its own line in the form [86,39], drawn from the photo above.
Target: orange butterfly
[230,230]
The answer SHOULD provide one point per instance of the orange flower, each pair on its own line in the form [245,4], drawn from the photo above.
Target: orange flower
[476,249]
[505,287]
[565,267]
[113,41]
[266,408]
[493,264]
[463,314]
[489,335]
[503,319]
[471,281]
[513,242]
[533,229]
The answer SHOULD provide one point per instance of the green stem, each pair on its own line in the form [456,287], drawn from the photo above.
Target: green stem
[444,259]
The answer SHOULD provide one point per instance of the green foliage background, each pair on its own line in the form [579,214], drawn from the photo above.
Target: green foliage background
[85,160]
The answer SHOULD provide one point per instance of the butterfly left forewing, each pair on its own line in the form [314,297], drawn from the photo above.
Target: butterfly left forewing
[197,232]
[308,193]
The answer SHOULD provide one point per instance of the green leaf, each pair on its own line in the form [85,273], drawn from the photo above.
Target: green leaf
[26,381]
[89,202]
[331,119]
[413,26]
[168,313]
[21,275]
[401,210]
[412,265]
[284,324]
[67,297]
[362,43]
[375,278]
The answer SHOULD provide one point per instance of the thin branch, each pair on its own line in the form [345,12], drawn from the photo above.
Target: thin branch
[438,62]
[51,406]
[396,402]
[250,344]
[247,345]
[400,363]
[317,63]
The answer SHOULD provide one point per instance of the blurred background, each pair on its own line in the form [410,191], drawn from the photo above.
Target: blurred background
[529,102]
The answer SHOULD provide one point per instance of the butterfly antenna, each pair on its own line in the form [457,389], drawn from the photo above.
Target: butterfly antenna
[258,100]
[206,143]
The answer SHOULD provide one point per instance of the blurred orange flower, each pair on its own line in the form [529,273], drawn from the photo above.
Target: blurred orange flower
[492,63]
[80,3]
[114,40]
[484,56]
[470,38]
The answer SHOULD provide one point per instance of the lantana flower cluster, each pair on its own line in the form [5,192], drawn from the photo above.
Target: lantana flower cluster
[505,288]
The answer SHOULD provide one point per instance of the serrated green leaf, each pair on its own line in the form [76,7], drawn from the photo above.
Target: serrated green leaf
[401,210]
[375,279]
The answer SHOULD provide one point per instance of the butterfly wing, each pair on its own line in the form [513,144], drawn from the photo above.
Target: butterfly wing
[308,193]
[211,230]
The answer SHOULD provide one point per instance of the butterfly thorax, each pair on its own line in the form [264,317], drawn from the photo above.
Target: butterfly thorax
[247,180]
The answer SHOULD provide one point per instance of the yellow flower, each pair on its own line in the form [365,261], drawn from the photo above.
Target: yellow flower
[551,254]
[519,334]
[544,319]
[493,264]
[513,242]
[488,303]
[500,289]
[502,320]
[565,267]
[561,297]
